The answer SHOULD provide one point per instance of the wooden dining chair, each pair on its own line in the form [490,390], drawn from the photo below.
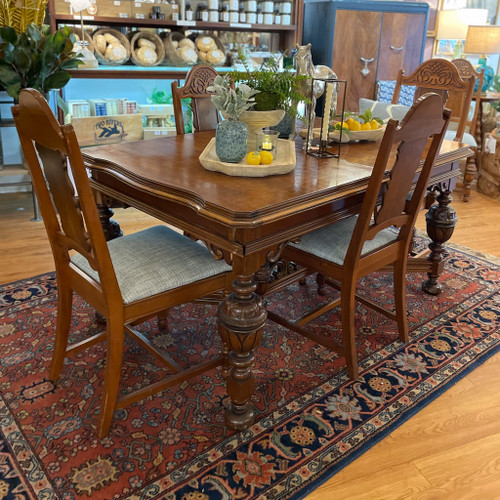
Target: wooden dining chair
[347,250]
[127,280]
[205,116]
[467,72]
[443,77]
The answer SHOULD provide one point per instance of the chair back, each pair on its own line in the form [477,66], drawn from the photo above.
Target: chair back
[205,116]
[418,137]
[441,77]
[467,72]
[71,219]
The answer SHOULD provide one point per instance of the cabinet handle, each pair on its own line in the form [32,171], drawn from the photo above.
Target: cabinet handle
[365,71]
[396,48]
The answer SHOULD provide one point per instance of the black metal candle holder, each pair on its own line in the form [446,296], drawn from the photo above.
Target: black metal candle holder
[333,91]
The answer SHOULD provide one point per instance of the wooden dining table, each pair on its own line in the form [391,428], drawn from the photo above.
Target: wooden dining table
[248,220]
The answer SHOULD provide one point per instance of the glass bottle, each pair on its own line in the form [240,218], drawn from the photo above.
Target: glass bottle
[242,14]
[260,16]
[175,10]
[189,12]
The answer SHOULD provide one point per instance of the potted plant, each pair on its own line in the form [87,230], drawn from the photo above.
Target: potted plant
[278,90]
[36,59]
[231,134]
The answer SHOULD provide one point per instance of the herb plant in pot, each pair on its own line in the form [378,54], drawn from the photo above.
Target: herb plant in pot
[231,134]
[279,94]
[36,59]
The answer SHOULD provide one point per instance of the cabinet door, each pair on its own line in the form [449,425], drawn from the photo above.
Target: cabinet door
[356,37]
[400,44]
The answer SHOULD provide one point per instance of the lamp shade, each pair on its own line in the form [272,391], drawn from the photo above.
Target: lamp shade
[452,24]
[483,40]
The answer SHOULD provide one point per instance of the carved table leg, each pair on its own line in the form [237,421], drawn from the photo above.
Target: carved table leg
[470,173]
[241,316]
[441,220]
[110,227]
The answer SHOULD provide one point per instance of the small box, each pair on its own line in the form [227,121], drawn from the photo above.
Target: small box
[156,110]
[98,130]
[157,132]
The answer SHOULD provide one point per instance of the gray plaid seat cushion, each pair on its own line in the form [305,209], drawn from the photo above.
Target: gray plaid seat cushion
[155,260]
[331,242]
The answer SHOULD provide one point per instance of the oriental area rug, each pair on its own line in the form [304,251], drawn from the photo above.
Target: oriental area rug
[311,419]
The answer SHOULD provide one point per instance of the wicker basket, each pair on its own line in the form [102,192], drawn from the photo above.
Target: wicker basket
[172,57]
[219,45]
[152,37]
[121,38]
[86,37]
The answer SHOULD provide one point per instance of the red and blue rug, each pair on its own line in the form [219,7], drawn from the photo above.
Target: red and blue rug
[312,421]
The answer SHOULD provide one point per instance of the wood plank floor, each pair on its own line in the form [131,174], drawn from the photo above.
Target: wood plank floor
[449,450]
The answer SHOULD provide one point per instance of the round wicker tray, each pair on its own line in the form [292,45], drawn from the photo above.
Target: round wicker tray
[219,45]
[121,38]
[172,57]
[152,37]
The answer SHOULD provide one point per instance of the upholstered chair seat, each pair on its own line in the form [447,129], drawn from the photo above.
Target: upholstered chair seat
[332,242]
[147,263]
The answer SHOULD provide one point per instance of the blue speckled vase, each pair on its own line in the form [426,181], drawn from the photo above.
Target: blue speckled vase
[231,141]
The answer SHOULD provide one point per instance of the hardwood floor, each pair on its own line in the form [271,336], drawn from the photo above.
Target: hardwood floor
[449,450]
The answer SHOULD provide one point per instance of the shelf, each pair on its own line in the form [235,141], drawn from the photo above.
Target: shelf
[130,71]
[160,23]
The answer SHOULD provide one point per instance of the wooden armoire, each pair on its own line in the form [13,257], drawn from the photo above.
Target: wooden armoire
[365,41]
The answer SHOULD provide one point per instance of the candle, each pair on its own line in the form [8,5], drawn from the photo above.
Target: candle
[267,144]
[326,111]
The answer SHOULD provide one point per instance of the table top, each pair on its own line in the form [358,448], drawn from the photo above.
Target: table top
[169,167]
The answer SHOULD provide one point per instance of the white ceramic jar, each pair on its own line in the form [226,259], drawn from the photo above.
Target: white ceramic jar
[234,16]
[286,19]
[267,7]
[251,6]
[251,17]
[268,18]
[285,7]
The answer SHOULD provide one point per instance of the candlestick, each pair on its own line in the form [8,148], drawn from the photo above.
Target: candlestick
[326,111]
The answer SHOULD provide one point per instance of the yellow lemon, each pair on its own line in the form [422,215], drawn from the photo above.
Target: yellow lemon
[253,158]
[366,126]
[374,124]
[354,125]
[266,158]
[344,125]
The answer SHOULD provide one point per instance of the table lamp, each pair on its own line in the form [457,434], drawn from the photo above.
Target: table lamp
[483,40]
[452,24]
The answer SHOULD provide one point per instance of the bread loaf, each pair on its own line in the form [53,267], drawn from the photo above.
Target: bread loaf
[146,55]
[115,52]
[188,55]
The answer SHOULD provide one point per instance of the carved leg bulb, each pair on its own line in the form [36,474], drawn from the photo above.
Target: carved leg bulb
[441,221]
[470,173]
[241,315]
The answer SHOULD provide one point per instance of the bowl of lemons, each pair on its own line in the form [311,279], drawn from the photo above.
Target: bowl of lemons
[358,127]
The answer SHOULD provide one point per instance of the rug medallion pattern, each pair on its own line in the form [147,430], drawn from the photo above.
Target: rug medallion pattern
[311,419]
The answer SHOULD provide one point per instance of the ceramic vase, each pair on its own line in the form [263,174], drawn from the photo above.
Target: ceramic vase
[231,141]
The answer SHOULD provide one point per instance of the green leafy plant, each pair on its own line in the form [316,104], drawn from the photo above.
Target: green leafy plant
[278,89]
[495,87]
[233,101]
[36,59]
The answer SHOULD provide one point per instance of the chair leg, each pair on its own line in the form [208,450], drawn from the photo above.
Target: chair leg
[114,357]
[470,173]
[400,299]
[163,319]
[320,281]
[348,334]
[64,306]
